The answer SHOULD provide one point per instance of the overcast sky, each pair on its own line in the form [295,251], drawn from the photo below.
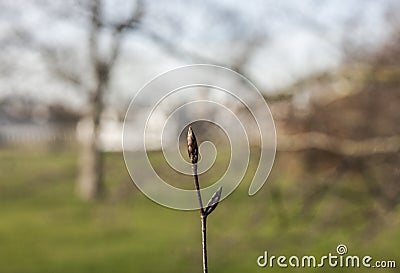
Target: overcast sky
[294,39]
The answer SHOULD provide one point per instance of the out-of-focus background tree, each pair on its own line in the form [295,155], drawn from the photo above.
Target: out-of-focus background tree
[329,71]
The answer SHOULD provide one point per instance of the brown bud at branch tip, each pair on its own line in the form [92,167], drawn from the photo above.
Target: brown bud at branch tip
[193,150]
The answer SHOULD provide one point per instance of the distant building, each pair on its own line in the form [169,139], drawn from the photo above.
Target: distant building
[26,122]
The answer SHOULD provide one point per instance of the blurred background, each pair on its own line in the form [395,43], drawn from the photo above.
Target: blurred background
[329,71]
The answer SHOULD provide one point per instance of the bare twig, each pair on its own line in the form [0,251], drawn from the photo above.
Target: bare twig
[194,155]
[212,204]
[204,242]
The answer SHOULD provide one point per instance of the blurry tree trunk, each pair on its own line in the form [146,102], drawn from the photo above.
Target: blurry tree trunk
[91,163]
[90,184]
[90,181]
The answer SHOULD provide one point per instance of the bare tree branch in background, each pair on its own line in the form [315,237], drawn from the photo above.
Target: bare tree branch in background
[340,146]
[95,84]
[173,49]
[91,181]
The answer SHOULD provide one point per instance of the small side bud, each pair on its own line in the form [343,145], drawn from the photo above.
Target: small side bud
[193,150]
[214,201]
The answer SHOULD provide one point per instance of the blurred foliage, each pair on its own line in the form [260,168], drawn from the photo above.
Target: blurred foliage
[358,103]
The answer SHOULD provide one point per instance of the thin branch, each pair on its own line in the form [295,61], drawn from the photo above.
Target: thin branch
[94,29]
[173,49]
[134,20]
[50,56]
[64,72]
[119,28]
[182,53]
[197,185]
[203,217]
[193,152]
[204,242]
[340,146]
[357,75]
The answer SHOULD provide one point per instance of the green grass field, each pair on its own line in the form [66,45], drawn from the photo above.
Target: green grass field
[44,227]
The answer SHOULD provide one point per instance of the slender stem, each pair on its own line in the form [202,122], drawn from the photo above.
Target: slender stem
[196,183]
[204,242]
[203,217]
